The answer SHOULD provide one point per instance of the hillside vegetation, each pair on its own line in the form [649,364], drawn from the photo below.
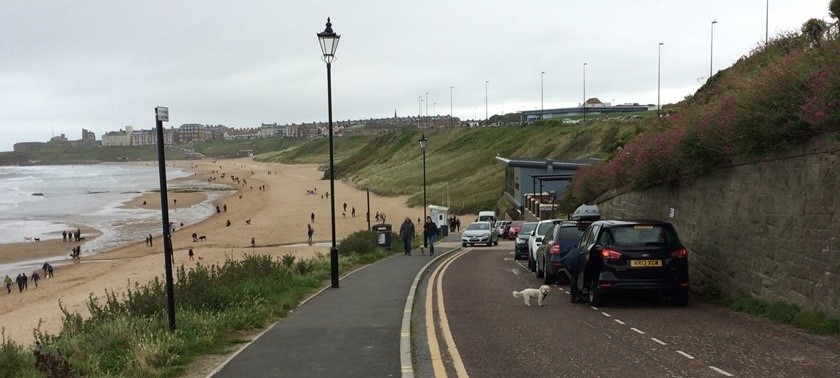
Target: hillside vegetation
[461,166]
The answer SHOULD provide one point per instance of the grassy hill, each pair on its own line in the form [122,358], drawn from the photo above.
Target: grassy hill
[461,168]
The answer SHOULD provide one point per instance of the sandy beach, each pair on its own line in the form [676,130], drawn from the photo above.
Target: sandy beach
[278,217]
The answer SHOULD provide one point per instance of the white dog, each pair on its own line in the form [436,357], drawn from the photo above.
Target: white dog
[540,294]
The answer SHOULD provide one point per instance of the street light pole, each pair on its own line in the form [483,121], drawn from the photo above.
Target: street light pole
[423,142]
[419,106]
[583,104]
[658,75]
[486,117]
[542,108]
[329,43]
[766,20]
[427,104]
[451,120]
[712,49]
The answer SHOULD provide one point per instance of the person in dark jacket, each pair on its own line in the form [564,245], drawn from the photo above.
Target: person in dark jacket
[407,235]
[430,232]
[574,263]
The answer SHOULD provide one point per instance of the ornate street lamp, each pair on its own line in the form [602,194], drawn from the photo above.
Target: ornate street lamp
[329,43]
[423,142]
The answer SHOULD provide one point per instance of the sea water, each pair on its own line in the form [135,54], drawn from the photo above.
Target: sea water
[42,201]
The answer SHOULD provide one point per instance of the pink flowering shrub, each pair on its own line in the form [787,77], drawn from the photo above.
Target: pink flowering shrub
[778,96]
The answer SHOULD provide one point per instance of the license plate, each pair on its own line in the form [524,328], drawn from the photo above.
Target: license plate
[645,263]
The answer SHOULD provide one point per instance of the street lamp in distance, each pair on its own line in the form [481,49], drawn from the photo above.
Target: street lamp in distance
[712,49]
[423,141]
[329,43]
[658,74]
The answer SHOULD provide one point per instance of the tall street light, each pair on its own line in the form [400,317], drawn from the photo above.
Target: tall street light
[486,117]
[427,104]
[329,43]
[583,104]
[541,94]
[419,106]
[766,20]
[423,142]
[712,49]
[658,75]
[450,106]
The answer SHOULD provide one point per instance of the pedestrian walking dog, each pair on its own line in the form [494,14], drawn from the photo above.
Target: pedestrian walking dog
[527,294]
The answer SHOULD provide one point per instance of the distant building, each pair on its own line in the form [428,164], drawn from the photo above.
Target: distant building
[118,138]
[88,136]
[593,106]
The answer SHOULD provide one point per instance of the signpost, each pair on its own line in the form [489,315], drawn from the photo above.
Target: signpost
[161,116]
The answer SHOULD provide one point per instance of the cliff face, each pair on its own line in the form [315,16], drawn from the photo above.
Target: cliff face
[769,228]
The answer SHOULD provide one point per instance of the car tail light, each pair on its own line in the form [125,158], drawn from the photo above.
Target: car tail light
[679,254]
[684,284]
[605,284]
[609,255]
[555,248]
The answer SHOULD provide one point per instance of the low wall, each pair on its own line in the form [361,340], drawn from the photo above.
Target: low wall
[768,228]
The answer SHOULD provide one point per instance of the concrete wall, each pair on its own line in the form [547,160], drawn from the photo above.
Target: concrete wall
[768,228]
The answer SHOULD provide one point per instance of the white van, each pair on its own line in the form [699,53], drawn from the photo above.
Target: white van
[487,216]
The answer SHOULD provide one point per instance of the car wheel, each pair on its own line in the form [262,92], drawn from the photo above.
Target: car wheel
[463,244]
[549,279]
[596,298]
[680,298]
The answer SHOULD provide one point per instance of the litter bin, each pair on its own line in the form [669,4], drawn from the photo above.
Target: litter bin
[384,237]
[444,230]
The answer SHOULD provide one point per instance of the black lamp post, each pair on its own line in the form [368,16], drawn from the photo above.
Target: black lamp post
[423,142]
[658,75]
[329,43]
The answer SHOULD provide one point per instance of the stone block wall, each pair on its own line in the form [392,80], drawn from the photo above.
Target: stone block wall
[770,229]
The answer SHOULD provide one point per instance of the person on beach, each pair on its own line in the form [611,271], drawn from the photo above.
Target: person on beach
[64,235]
[312,217]
[35,278]
[430,232]
[309,232]
[224,207]
[353,212]
[190,253]
[407,233]
[21,282]
[8,282]
[150,240]
[253,243]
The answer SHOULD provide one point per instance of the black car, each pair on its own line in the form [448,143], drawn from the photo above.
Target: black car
[629,256]
[563,237]
[520,244]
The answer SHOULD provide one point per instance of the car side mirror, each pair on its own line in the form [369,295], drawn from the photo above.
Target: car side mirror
[538,240]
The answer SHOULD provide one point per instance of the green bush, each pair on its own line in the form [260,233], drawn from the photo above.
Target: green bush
[359,242]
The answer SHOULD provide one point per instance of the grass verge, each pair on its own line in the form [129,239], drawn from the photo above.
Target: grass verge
[811,321]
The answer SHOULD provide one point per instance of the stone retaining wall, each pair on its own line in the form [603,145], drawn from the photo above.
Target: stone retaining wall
[769,229]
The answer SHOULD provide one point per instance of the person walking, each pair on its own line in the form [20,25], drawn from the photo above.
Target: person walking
[407,235]
[8,282]
[191,254]
[309,232]
[35,278]
[430,233]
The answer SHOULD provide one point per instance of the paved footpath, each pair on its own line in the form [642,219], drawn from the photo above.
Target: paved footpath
[350,331]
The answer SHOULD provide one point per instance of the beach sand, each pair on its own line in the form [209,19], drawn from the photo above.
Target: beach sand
[278,218]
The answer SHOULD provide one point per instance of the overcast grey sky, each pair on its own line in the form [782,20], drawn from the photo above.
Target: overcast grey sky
[102,65]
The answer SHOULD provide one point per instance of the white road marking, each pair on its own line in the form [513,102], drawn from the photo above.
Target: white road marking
[658,341]
[637,331]
[515,271]
[605,314]
[619,321]
[720,371]
[686,355]
[594,308]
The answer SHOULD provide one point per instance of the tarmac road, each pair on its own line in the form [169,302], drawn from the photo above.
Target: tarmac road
[496,335]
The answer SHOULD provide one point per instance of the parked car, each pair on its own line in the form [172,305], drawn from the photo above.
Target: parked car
[630,256]
[501,227]
[513,229]
[561,238]
[480,232]
[535,240]
[520,244]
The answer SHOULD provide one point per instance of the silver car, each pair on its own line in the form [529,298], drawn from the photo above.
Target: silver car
[480,233]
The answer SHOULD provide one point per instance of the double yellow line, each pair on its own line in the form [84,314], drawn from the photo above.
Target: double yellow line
[435,287]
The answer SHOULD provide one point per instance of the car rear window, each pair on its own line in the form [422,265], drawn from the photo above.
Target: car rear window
[543,227]
[640,235]
[571,233]
[527,228]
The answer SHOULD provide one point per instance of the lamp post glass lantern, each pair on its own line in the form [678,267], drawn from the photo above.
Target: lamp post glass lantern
[423,141]
[329,43]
